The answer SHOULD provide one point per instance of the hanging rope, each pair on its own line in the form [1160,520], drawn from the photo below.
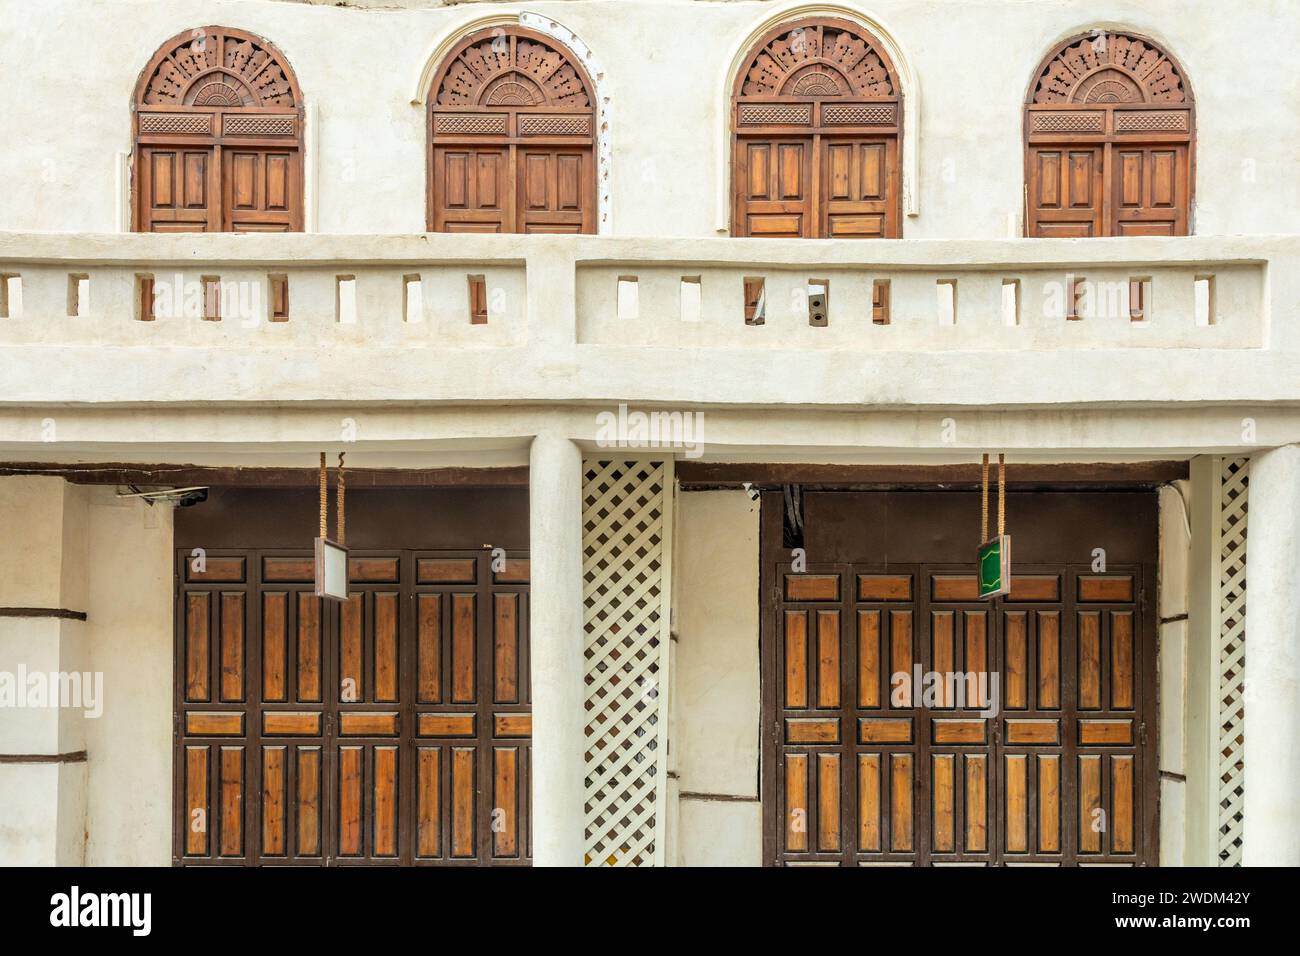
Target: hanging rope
[324,499]
[983,519]
[341,527]
[1002,494]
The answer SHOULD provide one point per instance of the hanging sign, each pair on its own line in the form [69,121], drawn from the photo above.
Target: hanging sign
[994,553]
[331,556]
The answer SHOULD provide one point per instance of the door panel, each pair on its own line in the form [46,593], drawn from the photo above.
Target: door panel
[1066,192]
[393,728]
[774,179]
[1149,187]
[475,189]
[176,188]
[859,180]
[553,191]
[260,190]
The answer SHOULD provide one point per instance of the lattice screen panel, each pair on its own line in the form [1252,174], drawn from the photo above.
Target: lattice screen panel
[626,543]
[1234,482]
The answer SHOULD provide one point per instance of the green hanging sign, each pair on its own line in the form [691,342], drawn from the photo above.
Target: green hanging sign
[994,553]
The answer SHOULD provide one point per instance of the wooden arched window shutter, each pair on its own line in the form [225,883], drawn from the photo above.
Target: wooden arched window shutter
[816,135]
[218,137]
[1109,136]
[512,133]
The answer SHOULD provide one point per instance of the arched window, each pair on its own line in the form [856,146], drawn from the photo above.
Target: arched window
[218,137]
[512,130]
[1109,131]
[816,125]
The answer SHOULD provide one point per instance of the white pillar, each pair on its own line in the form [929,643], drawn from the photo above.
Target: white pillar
[1272,693]
[555,630]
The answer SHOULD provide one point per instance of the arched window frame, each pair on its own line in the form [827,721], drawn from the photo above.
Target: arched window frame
[516,129]
[267,122]
[826,119]
[1115,130]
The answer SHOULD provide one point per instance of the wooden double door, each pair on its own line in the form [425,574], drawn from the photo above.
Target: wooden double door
[1084,190]
[817,186]
[390,729]
[906,722]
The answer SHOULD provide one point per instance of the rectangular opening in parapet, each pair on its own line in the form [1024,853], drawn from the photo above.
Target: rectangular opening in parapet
[345,300]
[1011,302]
[478,300]
[880,302]
[11,295]
[412,298]
[1203,294]
[146,308]
[1139,298]
[819,302]
[691,301]
[946,291]
[1075,304]
[279,297]
[78,294]
[755,300]
[629,298]
[211,298]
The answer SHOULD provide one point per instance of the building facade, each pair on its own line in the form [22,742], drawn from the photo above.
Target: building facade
[649,351]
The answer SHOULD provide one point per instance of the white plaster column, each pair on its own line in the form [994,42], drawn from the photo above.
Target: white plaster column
[43,559]
[1272,693]
[556,639]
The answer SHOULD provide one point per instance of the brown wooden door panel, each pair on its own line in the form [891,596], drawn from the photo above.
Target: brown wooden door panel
[865,769]
[553,191]
[261,190]
[176,190]
[390,729]
[1066,192]
[859,179]
[1149,190]
[475,188]
[774,180]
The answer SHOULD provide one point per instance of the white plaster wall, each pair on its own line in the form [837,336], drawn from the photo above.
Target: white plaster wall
[129,770]
[716,697]
[71,67]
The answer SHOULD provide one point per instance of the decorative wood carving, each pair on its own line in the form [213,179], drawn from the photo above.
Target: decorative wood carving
[816,130]
[218,145]
[511,137]
[1100,158]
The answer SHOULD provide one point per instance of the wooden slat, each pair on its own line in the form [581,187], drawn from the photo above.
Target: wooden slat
[941,785]
[1089,660]
[1122,813]
[446,570]
[796,659]
[1029,732]
[232,646]
[812,730]
[385,647]
[1094,732]
[232,801]
[217,570]
[900,642]
[976,807]
[869,658]
[976,657]
[869,802]
[1089,803]
[512,725]
[812,587]
[275,646]
[955,731]
[198,816]
[462,802]
[445,725]
[516,571]
[505,636]
[1049,660]
[1015,626]
[351,760]
[281,723]
[828,802]
[885,730]
[884,587]
[373,570]
[900,779]
[828,659]
[428,803]
[288,570]
[385,802]
[1122,677]
[429,648]
[351,648]
[274,838]
[505,801]
[462,649]
[309,648]
[1049,803]
[197,647]
[221,724]
[1035,587]
[796,802]
[369,724]
[1017,838]
[942,652]
[1098,588]
[954,587]
[309,803]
